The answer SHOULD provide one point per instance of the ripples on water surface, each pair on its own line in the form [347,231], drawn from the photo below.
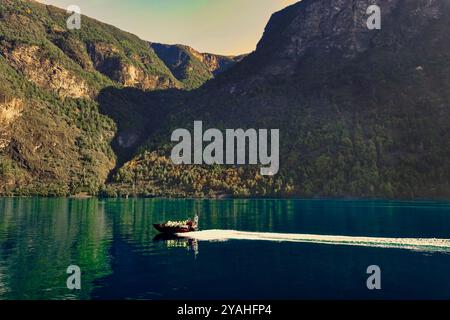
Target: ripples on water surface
[114,244]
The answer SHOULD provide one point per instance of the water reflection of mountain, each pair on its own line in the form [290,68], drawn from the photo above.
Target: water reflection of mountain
[113,243]
[40,238]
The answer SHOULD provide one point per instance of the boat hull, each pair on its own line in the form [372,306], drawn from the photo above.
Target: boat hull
[171,230]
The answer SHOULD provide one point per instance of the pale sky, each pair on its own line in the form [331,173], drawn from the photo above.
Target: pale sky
[218,26]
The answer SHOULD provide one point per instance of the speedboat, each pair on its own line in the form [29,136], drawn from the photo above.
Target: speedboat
[173,227]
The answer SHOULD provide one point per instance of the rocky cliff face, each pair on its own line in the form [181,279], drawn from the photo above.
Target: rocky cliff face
[109,60]
[76,63]
[337,29]
[10,110]
[46,73]
[216,64]
[190,66]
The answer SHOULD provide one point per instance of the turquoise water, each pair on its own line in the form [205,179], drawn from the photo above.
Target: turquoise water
[113,242]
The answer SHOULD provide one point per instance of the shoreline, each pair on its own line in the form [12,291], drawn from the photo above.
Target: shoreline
[342,199]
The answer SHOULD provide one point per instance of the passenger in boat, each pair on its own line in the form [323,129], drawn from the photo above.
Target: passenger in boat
[193,225]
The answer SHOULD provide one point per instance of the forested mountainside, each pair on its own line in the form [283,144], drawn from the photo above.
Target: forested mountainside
[361,113]
[54,139]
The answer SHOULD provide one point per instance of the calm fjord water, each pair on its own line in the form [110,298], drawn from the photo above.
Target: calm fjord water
[112,241]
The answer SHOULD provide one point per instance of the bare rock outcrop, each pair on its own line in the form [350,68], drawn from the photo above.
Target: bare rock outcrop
[46,72]
[10,110]
[110,61]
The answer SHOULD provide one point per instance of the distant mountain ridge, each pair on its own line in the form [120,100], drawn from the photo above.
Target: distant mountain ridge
[192,67]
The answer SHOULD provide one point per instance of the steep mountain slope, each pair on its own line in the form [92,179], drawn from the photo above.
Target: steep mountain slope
[65,121]
[192,67]
[53,139]
[49,145]
[362,112]
[91,57]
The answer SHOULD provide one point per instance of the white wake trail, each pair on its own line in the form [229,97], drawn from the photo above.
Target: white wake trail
[418,244]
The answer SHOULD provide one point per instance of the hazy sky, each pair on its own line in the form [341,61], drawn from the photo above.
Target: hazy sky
[216,26]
